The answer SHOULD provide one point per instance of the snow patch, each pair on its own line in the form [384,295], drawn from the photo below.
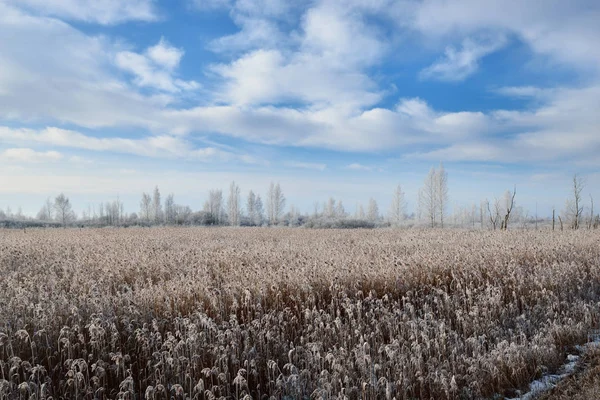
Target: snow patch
[547,382]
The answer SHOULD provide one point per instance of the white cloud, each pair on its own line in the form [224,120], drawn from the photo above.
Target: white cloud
[564,30]
[305,165]
[522,91]
[322,63]
[318,88]
[64,76]
[458,64]
[155,67]
[155,146]
[105,12]
[359,167]
[563,128]
[165,55]
[26,155]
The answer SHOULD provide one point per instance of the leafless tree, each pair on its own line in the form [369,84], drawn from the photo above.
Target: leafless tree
[397,208]
[182,214]
[259,211]
[214,205]
[373,210]
[275,203]
[170,211]
[233,204]
[46,212]
[441,192]
[329,208]
[360,212]
[146,207]
[591,222]
[64,211]
[495,215]
[157,212]
[428,198]
[340,211]
[251,207]
[293,216]
[574,206]
[510,203]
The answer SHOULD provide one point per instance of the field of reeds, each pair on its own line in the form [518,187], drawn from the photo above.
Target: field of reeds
[253,313]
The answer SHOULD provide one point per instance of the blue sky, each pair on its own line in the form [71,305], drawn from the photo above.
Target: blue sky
[341,98]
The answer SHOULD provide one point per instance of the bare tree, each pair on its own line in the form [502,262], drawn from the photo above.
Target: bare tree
[428,198]
[373,210]
[157,213]
[340,211]
[574,206]
[275,203]
[259,211]
[293,216]
[214,205]
[64,211]
[397,208]
[441,192]
[360,212]
[510,203]
[591,222]
[315,209]
[495,215]
[329,208]
[170,209]
[146,207]
[251,206]
[233,204]
[45,213]
[482,206]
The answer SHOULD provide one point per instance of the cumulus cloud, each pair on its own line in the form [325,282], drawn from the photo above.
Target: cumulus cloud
[310,76]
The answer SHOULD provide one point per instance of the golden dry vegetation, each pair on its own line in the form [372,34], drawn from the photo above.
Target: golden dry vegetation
[281,313]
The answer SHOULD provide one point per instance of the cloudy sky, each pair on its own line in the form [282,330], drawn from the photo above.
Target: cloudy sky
[329,97]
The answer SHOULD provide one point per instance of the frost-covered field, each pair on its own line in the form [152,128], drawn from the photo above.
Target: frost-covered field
[208,313]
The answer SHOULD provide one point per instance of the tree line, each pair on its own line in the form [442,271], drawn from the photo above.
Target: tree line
[270,210]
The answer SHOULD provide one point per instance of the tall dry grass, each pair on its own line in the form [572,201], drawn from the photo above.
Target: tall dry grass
[276,313]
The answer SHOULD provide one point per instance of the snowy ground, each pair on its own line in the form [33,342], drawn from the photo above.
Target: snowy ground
[547,382]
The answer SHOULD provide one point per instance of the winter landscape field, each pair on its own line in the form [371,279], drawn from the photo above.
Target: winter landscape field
[240,313]
[299,199]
